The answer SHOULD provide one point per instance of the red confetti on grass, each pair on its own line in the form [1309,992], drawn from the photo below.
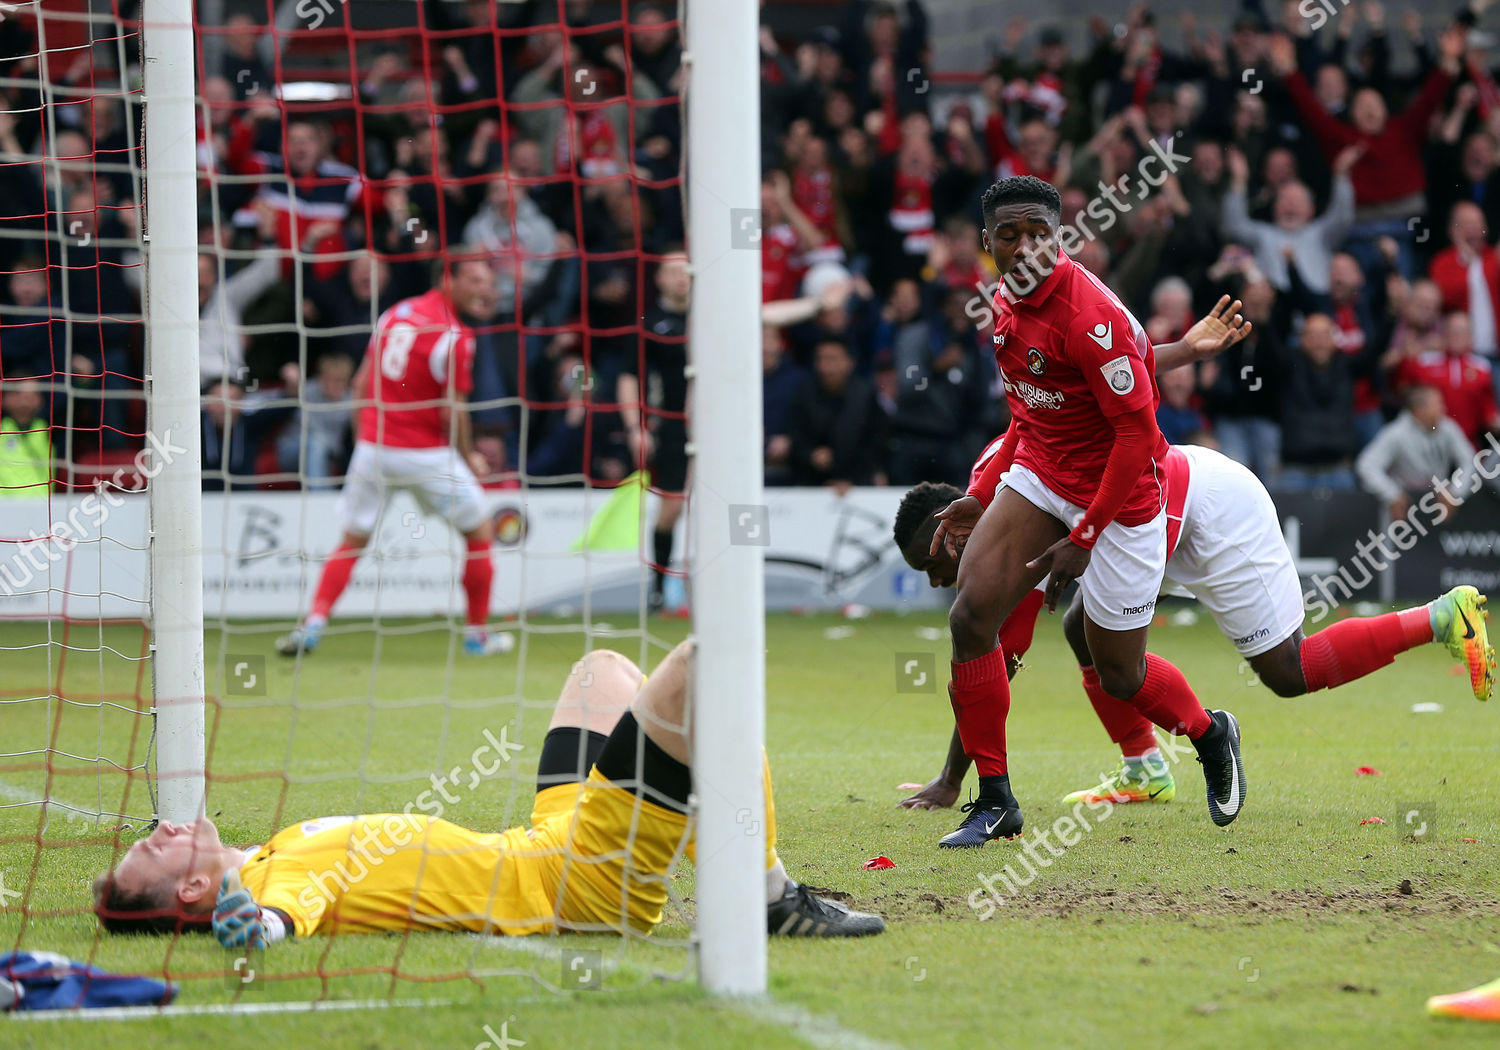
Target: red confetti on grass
[876,863]
[909,786]
[1470,840]
[1372,820]
[1368,771]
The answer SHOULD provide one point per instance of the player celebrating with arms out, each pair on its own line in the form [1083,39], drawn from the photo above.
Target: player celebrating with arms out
[415,433]
[1224,547]
[1083,500]
[916,521]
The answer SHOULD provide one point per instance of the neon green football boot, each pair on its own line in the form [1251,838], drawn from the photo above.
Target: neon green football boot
[1477,1004]
[1130,783]
[1458,621]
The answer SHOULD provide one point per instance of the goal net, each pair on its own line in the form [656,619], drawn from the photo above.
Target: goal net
[350,158]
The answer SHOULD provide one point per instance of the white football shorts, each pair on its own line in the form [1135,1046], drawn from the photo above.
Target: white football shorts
[438,478]
[1232,557]
[1124,576]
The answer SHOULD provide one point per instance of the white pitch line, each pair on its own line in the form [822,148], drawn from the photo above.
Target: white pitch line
[20,794]
[823,1033]
[146,1013]
[817,1031]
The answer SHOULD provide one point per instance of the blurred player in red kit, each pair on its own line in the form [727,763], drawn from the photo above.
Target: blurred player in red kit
[415,434]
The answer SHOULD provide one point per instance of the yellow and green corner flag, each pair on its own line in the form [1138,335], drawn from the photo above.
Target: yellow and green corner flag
[616,526]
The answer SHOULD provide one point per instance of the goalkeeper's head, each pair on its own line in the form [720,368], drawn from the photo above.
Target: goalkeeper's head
[167,881]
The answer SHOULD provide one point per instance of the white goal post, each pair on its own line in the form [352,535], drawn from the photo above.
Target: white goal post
[170,228]
[726,559]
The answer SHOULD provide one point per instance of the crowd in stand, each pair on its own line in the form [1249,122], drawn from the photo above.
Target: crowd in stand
[1340,175]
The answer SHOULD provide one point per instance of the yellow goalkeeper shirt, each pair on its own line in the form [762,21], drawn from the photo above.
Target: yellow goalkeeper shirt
[392,871]
[595,858]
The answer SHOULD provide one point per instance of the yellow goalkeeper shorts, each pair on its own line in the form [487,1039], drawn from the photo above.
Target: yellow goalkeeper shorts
[598,857]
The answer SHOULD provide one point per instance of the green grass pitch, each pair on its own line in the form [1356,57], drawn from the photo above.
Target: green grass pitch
[1296,926]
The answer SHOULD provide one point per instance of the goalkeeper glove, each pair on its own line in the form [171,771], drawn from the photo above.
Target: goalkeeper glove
[237,922]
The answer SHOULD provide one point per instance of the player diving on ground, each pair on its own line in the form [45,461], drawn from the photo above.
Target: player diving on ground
[1224,547]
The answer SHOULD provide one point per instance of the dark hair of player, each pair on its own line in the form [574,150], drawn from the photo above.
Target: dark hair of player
[1020,189]
[456,258]
[140,911]
[924,500]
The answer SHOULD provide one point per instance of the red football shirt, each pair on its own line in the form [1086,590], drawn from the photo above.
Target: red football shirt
[1073,357]
[420,357]
[781,268]
[1468,390]
[984,461]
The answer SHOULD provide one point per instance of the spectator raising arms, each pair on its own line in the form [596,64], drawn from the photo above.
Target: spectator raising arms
[1388,178]
[1346,181]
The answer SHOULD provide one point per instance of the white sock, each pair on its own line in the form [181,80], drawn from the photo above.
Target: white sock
[1152,763]
[315,621]
[776,881]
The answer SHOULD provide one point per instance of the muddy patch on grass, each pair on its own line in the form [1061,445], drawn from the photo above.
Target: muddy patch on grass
[1409,898]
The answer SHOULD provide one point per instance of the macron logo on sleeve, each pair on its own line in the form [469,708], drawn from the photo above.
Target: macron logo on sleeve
[1103,334]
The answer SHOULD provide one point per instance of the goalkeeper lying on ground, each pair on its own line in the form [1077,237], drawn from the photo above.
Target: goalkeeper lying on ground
[596,857]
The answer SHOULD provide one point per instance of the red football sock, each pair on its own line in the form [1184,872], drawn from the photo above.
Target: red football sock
[1017,630]
[1125,725]
[980,694]
[334,578]
[479,576]
[1166,698]
[1353,648]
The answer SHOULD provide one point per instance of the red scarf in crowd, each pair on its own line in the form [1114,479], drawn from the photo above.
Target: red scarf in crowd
[911,211]
[598,146]
[813,192]
[1489,94]
[1145,78]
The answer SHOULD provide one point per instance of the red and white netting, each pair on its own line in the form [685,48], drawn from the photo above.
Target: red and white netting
[345,151]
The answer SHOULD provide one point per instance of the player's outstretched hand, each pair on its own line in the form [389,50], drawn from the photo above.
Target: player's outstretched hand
[1218,330]
[938,794]
[236,915]
[1064,561]
[954,524]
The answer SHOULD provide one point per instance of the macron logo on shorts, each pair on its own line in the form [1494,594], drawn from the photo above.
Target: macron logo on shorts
[1136,610]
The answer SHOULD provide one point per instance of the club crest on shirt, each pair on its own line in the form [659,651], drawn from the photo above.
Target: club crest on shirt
[1036,364]
[1119,376]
